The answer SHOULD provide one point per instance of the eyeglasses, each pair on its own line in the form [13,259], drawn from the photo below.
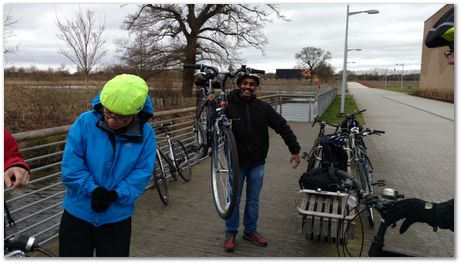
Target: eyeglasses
[117,117]
[448,53]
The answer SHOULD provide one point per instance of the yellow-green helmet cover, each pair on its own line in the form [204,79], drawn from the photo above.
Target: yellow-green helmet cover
[125,94]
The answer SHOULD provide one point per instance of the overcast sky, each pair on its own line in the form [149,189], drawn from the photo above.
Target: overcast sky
[393,36]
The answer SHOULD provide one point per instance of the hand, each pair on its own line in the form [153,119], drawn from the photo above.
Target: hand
[413,210]
[16,176]
[296,159]
[102,198]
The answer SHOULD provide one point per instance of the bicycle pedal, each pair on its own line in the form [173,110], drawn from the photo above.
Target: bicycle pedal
[379,183]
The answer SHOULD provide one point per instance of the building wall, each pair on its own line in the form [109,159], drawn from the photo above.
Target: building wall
[436,76]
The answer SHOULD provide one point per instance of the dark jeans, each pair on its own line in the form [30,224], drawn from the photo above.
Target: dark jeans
[254,179]
[78,238]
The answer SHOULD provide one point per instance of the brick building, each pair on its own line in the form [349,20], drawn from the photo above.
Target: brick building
[436,76]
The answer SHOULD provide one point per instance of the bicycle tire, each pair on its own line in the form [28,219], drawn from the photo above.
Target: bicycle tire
[182,160]
[224,171]
[312,159]
[199,127]
[363,177]
[159,178]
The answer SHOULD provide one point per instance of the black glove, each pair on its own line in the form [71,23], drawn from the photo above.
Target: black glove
[102,198]
[413,210]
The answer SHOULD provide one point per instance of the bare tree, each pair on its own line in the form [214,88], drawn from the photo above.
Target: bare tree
[325,72]
[8,22]
[83,40]
[179,33]
[312,58]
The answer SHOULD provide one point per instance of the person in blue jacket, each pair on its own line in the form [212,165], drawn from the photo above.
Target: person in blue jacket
[108,159]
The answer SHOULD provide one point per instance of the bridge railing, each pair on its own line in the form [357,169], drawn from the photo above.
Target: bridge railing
[37,208]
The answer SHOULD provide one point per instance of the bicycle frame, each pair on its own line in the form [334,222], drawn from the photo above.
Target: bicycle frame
[169,158]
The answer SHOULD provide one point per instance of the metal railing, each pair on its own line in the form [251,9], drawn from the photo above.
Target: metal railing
[37,208]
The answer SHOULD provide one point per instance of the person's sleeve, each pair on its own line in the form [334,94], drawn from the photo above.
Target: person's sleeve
[75,173]
[279,124]
[444,215]
[130,188]
[12,155]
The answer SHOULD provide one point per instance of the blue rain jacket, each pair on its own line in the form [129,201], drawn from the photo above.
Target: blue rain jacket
[95,156]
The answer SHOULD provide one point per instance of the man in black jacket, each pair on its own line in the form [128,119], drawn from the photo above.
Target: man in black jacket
[251,119]
[416,210]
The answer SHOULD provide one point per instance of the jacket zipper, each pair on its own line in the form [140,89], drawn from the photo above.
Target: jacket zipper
[249,125]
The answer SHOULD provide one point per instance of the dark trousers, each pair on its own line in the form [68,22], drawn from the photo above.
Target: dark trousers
[78,238]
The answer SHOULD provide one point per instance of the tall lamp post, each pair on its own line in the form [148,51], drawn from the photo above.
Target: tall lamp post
[344,72]
[402,73]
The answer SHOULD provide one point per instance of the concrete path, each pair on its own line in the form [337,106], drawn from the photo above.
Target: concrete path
[416,156]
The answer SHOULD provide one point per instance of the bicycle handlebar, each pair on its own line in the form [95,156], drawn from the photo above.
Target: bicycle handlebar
[22,243]
[350,116]
[317,119]
[231,73]
[255,71]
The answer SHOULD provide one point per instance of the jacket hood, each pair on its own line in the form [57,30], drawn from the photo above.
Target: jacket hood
[145,114]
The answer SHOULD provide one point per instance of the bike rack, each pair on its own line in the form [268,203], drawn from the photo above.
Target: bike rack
[320,214]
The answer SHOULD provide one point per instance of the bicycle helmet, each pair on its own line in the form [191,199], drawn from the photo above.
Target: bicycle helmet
[442,33]
[125,94]
[242,75]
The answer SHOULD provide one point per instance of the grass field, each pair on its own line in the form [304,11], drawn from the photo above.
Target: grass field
[409,87]
[350,106]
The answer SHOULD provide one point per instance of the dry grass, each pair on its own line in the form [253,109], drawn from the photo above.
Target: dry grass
[38,108]
[28,108]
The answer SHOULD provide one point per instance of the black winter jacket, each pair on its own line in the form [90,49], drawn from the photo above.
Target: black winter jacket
[250,121]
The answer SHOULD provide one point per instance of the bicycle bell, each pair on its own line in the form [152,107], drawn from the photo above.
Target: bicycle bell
[390,193]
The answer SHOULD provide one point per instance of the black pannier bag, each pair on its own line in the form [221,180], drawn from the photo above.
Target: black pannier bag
[319,177]
[333,154]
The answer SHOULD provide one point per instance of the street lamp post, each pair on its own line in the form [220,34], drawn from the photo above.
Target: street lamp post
[344,72]
[402,73]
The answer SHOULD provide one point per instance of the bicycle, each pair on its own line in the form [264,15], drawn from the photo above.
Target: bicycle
[214,130]
[22,245]
[363,166]
[389,197]
[177,160]
[314,156]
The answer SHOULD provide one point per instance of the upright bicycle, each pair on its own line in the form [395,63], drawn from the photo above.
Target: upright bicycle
[314,156]
[213,129]
[362,164]
[176,162]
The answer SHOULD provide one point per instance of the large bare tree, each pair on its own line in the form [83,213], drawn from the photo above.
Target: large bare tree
[8,23]
[187,33]
[312,58]
[83,40]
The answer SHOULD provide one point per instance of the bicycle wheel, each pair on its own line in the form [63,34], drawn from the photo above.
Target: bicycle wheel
[161,184]
[182,160]
[314,156]
[364,180]
[199,127]
[224,171]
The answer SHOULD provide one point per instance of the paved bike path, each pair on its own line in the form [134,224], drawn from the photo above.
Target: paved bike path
[190,227]
[416,156]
